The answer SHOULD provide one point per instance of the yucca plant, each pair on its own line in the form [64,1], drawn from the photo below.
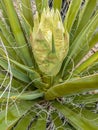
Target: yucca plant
[43,83]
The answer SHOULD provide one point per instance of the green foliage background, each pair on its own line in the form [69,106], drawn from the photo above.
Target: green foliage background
[33,100]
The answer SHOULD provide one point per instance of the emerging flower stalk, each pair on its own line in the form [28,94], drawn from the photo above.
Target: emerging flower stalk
[49,41]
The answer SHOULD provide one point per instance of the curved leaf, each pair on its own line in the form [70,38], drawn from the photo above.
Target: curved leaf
[25,121]
[75,119]
[13,114]
[24,96]
[73,86]
[81,41]
[41,122]
[91,60]
[86,14]
[27,11]
[17,32]
[16,73]
[91,69]
[71,14]
[84,99]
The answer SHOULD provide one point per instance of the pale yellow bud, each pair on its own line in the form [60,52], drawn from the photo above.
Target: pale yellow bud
[49,41]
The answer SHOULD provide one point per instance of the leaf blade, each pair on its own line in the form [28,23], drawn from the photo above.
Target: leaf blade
[73,86]
[17,32]
[75,119]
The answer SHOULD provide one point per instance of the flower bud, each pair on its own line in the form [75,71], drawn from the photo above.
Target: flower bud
[49,41]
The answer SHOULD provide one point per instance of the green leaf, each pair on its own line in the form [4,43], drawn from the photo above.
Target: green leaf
[33,75]
[13,114]
[41,4]
[4,13]
[88,46]
[5,80]
[86,14]
[31,95]
[27,30]
[2,53]
[85,34]
[27,11]
[73,86]
[23,96]
[16,73]
[71,14]
[91,116]
[41,122]
[85,99]
[57,4]
[57,121]
[74,28]
[10,50]
[75,119]
[9,42]
[4,29]
[17,32]
[81,55]
[27,27]
[31,71]
[86,113]
[91,69]
[81,41]
[91,60]
[25,121]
